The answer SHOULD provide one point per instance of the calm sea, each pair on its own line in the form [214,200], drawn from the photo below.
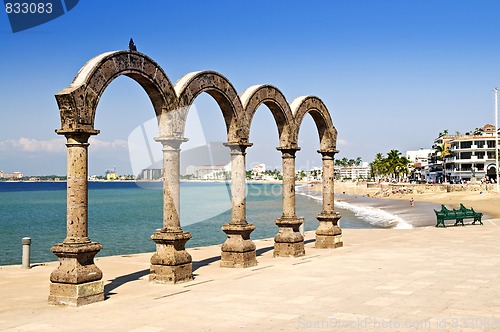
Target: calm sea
[123,215]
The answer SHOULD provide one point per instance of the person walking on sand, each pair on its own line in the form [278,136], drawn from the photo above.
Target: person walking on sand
[412,202]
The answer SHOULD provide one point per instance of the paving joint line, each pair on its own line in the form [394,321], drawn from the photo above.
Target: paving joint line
[303,262]
[168,295]
[261,268]
[199,283]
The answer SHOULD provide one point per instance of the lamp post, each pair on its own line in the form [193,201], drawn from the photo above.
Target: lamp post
[495,91]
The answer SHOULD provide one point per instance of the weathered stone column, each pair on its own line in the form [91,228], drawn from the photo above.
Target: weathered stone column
[77,280]
[328,234]
[171,263]
[288,242]
[239,249]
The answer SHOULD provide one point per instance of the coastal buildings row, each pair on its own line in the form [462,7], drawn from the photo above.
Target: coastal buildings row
[223,172]
[458,158]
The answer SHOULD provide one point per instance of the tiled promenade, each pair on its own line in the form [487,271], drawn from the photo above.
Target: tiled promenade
[423,279]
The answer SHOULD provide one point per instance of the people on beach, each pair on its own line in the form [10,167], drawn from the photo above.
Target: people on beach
[412,202]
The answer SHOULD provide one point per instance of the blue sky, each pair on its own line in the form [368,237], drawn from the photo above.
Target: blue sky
[392,73]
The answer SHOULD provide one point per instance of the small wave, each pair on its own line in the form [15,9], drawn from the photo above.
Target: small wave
[318,198]
[374,216]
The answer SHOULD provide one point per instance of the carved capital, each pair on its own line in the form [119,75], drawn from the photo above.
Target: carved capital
[328,154]
[77,137]
[238,148]
[171,143]
[288,152]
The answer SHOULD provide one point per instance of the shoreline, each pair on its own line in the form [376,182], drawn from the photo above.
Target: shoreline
[484,201]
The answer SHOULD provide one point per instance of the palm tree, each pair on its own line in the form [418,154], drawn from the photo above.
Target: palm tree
[402,167]
[378,166]
[443,152]
[443,133]
[394,165]
[392,162]
[358,161]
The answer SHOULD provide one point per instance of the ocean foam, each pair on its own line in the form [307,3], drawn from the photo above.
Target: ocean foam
[372,215]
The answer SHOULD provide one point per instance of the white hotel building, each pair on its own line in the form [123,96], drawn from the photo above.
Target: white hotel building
[472,156]
[361,172]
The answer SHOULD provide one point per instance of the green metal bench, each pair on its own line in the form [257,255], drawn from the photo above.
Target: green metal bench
[457,214]
[470,213]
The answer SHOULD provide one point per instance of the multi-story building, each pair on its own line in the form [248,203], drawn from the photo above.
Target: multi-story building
[461,158]
[259,169]
[419,161]
[433,172]
[209,172]
[353,172]
[150,174]
[472,156]
[13,175]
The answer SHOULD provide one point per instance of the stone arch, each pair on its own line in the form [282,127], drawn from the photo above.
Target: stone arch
[238,250]
[289,242]
[313,105]
[274,99]
[218,86]
[78,102]
[328,233]
[77,280]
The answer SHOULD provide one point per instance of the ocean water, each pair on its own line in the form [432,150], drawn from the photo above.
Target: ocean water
[123,215]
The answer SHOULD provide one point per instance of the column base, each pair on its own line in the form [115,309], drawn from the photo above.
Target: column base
[77,280]
[328,234]
[328,242]
[289,242]
[239,250]
[289,249]
[164,274]
[171,263]
[238,259]
[75,295]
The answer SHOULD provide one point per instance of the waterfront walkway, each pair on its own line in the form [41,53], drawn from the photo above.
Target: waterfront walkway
[430,279]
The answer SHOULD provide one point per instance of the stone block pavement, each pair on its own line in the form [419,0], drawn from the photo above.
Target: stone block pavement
[423,279]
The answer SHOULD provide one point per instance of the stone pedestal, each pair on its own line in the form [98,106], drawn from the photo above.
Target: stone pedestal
[289,242]
[328,233]
[171,263]
[239,250]
[77,280]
